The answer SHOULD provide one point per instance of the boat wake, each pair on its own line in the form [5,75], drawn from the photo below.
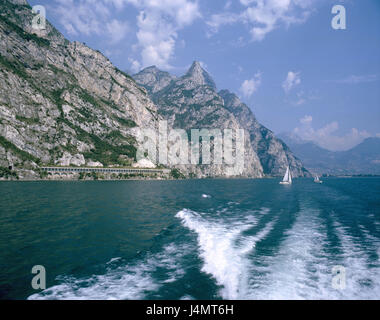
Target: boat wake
[225,249]
[299,268]
[132,281]
[248,255]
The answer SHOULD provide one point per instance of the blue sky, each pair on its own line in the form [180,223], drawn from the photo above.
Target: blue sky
[282,57]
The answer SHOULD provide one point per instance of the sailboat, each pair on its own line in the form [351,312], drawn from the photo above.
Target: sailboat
[316,180]
[287,178]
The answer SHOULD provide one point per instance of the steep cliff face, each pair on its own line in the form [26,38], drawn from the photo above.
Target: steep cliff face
[155,80]
[192,101]
[62,103]
[273,153]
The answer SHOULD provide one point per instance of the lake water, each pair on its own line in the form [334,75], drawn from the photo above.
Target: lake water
[192,239]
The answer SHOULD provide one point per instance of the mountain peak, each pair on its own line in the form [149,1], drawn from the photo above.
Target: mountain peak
[196,67]
[151,69]
[200,76]
[153,79]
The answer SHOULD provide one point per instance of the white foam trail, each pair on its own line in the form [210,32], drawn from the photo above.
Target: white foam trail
[206,196]
[362,280]
[224,249]
[302,269]
[295,271]
[264,211]
[131,281]
[371,239]
[113,260]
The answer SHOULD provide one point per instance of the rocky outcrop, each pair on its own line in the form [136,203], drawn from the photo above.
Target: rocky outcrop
[62,103]
[154,79]
[273,153]
[192,101]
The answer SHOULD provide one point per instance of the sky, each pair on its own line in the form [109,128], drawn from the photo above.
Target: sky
[283,58]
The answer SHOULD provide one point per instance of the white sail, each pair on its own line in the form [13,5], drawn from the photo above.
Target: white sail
[288,177]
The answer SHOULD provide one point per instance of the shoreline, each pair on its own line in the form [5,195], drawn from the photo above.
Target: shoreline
[143,179]
[186,179]
[133,179]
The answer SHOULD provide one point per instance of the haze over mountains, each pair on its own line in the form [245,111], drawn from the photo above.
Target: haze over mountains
[62,103]
[362,159]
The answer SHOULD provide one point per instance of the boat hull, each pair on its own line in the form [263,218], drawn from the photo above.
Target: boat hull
[282,182]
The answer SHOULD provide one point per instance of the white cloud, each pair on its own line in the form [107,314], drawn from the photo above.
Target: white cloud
[119,4]
[250,86]
[302,97]
[227,5]
[90,17]
[264,16]
[220,19]
[292,79]
[158,24]
[306,119]
[135,65]
[117,30]
[326,136]
[156,39]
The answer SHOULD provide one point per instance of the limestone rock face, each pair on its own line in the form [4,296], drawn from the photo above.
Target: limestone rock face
[71,160]
[144,163]
[154,79]
[62,103]
[197,76]
[273,153]
[94,164]
[192,102]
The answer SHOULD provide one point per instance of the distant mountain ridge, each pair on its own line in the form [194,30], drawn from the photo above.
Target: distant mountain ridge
[192,101]
[361,159]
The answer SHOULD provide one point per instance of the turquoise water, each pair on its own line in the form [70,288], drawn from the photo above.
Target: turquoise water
[207,239]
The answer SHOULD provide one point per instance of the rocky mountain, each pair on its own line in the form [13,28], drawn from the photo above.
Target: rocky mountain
[273,153]
[156,80]
[192,101]
[362,159]
[62,103]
